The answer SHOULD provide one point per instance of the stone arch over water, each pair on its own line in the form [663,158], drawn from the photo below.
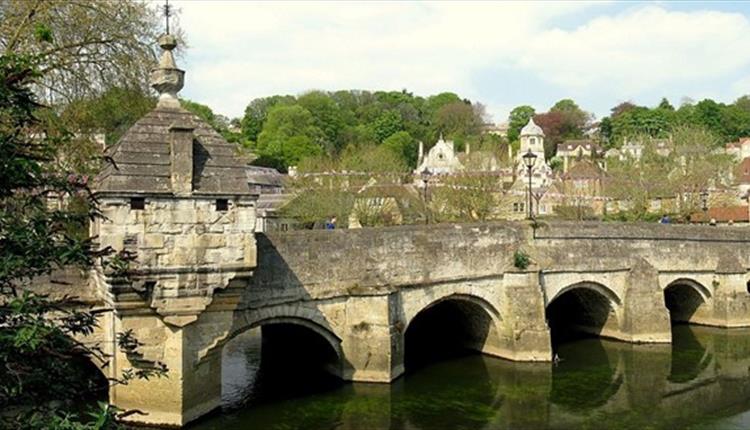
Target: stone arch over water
[584,308]
[687,300]
[451,325]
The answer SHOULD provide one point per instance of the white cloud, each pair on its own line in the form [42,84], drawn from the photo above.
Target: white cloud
[240,50]
[641,50]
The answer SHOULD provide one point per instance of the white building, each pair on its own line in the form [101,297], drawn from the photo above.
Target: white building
[532,139]
[440,160]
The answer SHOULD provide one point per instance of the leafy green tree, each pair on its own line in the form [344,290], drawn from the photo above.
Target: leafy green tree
[44,365]
[256,113]
[458,119]
[404,146]
[290,135]
[388,123]
[113,112]
[328,117]
[664,104]
[518,118]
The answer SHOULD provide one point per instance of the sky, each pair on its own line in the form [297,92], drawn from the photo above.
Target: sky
[501,54]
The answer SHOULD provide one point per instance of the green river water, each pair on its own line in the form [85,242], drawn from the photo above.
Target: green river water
[701,381]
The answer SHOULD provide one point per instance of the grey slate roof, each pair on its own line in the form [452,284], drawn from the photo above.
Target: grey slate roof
[142,159]
[266,177]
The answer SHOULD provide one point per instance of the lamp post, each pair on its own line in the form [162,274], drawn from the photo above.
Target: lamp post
[529,158]
[704,202]
[425,175]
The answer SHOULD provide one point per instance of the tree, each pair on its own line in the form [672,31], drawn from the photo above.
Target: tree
[113,112]
[290,135]
[388,123]
[458,119]
[80,47]
[42,360]
[328,117]
[404,146]
[518,118]
[256,113]
[664,104]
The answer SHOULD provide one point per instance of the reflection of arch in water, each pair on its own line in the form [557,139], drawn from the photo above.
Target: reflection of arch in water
[689,357]
[585,361]
[451,394]
[685,298]
[585,308]
[449,326]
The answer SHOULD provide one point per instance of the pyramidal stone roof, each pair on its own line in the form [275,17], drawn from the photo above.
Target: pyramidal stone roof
[147,160]
[531,129]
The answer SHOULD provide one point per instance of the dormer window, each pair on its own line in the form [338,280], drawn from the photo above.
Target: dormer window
[440,156]
[137,203]
[222,205]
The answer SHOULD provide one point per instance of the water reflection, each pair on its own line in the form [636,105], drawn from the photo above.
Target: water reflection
[700,381]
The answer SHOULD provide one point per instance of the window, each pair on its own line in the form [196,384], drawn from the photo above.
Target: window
[532,140]
[518,207]
[137,203]
[222,205]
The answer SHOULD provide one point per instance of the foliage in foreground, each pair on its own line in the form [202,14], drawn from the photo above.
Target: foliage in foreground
[45,361]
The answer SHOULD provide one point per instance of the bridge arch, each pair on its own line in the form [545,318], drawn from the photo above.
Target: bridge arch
[687,300]
[449,325]
[583,308]
[480,302]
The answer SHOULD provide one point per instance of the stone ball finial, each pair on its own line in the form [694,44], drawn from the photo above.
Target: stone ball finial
[167,42]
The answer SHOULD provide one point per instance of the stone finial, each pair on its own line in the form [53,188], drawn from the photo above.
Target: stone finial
[167,79]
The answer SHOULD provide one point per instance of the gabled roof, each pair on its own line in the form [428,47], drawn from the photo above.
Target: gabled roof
[570,145]
[583,170]
[142,162]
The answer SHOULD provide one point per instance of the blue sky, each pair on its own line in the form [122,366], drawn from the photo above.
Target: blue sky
[500,54]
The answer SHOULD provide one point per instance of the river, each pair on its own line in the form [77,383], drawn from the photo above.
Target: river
[701,381]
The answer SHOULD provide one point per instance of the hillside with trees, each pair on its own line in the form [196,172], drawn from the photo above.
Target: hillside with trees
[284,130]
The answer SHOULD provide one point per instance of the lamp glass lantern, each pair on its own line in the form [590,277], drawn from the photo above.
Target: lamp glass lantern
[529,159]
[425,175]
[704,200]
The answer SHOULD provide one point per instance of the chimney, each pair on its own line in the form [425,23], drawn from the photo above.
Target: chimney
[181,158]
[420,154]
[468,148]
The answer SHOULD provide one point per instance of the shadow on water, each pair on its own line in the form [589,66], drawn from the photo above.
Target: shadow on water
[701,381]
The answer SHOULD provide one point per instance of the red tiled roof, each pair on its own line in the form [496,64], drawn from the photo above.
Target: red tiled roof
[725,214]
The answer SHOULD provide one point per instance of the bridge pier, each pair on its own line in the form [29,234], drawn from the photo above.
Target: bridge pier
[372,350]
[529,335]
[731,294]
[645,317]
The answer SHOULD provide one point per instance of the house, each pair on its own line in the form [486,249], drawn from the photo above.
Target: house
[740,150]
[584,178]
[440,160]
[572,150]
[269,184]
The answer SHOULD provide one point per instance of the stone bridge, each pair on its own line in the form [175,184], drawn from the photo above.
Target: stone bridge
[368,295]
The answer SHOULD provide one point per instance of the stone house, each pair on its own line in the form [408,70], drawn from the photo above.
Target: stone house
[740,150]
[571,151]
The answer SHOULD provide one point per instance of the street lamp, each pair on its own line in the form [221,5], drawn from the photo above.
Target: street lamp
[425,175]
[529,158]
[704,202]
